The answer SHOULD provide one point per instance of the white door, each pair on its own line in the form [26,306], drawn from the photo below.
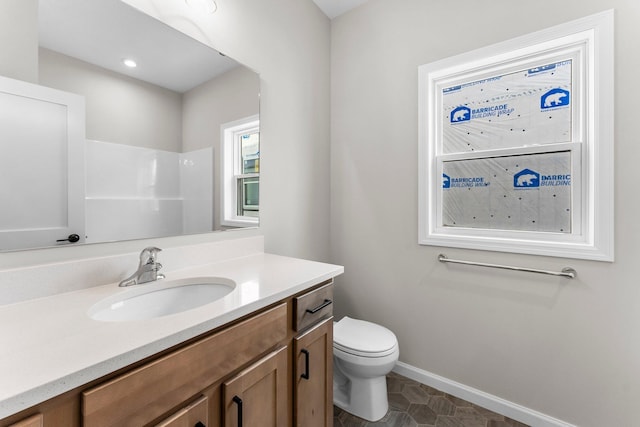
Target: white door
[41,166]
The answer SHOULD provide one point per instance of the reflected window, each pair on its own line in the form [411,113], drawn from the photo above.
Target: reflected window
[241,172]
[248,181]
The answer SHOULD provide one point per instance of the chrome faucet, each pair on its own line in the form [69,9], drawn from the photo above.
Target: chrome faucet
[147,269]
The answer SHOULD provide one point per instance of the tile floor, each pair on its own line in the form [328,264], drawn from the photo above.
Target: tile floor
[412,404]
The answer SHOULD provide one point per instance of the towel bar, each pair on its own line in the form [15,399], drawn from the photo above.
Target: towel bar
[567,272]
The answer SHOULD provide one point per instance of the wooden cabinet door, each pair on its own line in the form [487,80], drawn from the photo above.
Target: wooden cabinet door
[194,415]
[258,395]
[313,377]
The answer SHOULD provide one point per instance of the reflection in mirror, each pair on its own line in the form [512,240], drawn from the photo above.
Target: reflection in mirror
[151,141]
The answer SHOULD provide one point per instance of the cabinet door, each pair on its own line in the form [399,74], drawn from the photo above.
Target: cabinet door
[257,396]
[313,379]
[194,415]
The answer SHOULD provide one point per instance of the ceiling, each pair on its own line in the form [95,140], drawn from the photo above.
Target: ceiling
[104,32]
[334,8]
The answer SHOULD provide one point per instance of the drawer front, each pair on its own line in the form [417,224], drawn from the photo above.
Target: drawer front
[144,394]
[34,421]
[313,306]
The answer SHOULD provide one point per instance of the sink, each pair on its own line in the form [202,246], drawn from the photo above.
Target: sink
[162,298]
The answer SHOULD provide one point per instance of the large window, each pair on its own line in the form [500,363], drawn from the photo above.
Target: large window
[241,172]
[516,145]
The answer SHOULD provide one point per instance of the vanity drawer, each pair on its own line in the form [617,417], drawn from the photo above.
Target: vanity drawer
[145,393]
[34,421]
[313,306]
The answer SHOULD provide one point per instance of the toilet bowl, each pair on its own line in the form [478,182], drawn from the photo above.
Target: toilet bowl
[363,354]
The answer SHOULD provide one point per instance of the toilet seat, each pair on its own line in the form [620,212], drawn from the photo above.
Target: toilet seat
[362,338]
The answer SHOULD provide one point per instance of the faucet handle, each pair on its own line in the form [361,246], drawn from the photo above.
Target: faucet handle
[153,253]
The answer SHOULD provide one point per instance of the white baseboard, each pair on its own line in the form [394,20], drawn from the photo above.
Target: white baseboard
[480,398]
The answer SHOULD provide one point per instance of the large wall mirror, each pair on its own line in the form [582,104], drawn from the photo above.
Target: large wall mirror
[167,147]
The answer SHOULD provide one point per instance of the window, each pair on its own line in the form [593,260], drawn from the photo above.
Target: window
[516,145]
[241,172]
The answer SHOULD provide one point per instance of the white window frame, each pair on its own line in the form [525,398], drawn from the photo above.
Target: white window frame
[230,154]
[589,43]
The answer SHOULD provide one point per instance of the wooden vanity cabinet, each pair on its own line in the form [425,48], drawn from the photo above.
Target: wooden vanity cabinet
[140,396]
[313,379]
[272,368]
[313,358]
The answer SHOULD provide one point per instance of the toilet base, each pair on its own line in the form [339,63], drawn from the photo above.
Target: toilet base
[365,398]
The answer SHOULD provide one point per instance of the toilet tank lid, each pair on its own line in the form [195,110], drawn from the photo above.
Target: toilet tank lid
[363,336]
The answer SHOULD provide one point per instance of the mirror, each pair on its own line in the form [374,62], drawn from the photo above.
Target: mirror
[153,136]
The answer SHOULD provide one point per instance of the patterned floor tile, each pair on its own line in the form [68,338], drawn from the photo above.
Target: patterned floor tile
[398,402]
[441,405]
[422,413]
[395,419]
[412,404]
[415,394]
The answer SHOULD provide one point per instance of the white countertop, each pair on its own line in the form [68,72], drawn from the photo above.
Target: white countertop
[50,345]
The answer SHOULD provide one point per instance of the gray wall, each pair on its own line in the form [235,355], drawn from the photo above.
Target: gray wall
[568,349]
[231,96]
[119,109]
[19,39]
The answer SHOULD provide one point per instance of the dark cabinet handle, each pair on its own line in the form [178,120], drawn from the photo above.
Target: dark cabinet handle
[305,375]
[71,239]
[238,401]
[199,424]
[320,307]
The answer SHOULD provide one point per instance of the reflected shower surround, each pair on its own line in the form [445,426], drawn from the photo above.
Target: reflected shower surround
[135,193]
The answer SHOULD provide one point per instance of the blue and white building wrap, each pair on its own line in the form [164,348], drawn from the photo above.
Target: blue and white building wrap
[527,192]
[531,106]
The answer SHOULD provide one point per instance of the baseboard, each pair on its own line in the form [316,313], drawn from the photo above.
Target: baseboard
[480,398]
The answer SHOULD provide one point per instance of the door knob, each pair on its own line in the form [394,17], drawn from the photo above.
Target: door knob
[71,239]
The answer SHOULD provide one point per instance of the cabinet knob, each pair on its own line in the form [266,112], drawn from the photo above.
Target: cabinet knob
[199,424]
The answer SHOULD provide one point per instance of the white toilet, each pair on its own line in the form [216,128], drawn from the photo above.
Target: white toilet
[363,354]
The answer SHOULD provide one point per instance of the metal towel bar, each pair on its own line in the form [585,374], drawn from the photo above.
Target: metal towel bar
[567,272]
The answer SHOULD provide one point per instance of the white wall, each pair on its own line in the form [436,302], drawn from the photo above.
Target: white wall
[196,188]
[566,348]
[163,193]
[288,43]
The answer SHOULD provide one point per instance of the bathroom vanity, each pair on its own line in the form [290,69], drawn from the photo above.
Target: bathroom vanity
[259,356]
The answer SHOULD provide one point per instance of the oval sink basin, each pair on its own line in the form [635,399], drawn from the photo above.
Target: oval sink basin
[159,299]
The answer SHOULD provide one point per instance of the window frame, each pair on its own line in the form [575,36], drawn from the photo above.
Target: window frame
[589,43]
[231,175]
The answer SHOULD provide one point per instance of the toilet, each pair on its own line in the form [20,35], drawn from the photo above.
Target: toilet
[363,354]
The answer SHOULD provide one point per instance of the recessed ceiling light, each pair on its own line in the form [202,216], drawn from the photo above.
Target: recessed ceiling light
[203,6]
[129,63]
